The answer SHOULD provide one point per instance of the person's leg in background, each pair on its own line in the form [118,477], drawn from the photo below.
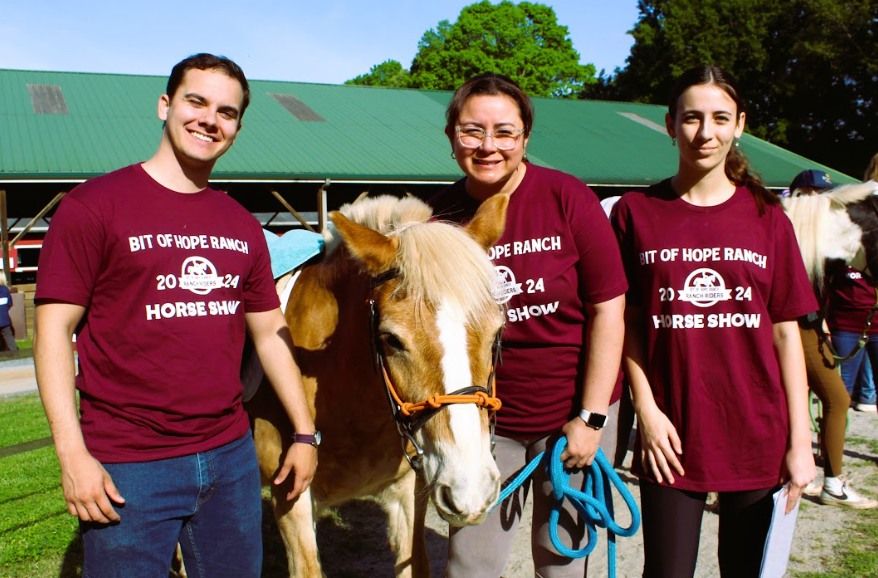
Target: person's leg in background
[7,339]
[836,490]
[845,343]
[826,383]
[867,397]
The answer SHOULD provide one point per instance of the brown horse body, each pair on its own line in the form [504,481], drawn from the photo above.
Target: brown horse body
[430,284]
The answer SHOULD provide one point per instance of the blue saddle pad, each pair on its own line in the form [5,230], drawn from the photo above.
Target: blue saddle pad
[292,249]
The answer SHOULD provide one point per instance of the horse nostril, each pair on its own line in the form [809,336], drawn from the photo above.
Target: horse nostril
[446,500]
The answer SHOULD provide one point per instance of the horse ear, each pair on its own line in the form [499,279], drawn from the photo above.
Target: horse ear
[487,225]
[373,250]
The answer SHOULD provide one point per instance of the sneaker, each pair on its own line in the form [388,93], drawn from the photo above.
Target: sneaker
[868,407]
[813,488]
[847,497]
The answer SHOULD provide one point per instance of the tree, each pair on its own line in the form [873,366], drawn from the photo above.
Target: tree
[523,41]
[389,73]
[807,67]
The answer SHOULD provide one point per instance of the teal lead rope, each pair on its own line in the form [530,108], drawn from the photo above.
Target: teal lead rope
[594,501]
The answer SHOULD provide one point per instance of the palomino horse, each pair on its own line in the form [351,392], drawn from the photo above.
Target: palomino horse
[395,332]
[840,224]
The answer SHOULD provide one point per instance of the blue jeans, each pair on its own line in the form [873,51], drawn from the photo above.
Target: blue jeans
[853,369]
[209,502]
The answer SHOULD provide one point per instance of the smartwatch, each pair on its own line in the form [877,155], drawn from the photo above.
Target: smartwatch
[311,439]
[593,420]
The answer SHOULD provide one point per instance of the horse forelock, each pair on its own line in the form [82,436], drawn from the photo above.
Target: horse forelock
[439,261]
[386,213]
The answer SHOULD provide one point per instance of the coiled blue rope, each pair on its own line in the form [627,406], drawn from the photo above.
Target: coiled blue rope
[594,501]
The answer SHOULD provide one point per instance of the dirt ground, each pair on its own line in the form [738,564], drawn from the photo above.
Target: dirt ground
[353,543]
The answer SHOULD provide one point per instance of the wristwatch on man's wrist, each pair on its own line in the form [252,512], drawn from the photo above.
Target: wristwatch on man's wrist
[592,419]
[311,439]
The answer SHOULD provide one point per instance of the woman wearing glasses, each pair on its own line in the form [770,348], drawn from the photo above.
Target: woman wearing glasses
[561,281]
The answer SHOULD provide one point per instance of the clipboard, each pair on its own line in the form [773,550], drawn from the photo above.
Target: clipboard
[779,541]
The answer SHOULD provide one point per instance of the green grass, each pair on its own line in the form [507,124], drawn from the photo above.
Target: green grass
[869,443]
[857,554]
[37,535]
[25,349]
[22,420]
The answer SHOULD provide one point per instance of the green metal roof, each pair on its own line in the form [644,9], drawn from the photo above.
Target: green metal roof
[343,133]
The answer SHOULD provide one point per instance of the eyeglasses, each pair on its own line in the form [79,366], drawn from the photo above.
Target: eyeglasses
[472,137]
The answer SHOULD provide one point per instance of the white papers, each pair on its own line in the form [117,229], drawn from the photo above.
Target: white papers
[779,541]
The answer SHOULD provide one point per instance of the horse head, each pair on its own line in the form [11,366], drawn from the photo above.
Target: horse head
[435,327]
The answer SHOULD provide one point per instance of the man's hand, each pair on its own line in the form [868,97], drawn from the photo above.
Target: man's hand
[89,490]
[301,461]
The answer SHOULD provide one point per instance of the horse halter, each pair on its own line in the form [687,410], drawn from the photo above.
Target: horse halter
[410,417]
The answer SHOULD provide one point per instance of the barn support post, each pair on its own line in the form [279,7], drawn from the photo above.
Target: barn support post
[292,211]
[322,205]
[4,236]
[39,216]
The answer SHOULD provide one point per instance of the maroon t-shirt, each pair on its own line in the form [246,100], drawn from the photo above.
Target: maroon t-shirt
[556,254]
[711,282]
[165,279]
[851,300]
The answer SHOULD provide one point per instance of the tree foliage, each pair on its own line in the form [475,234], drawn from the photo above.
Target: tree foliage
[523,41]
[389,73]
[807,67]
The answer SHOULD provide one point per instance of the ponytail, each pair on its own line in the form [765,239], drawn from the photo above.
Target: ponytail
[738,171]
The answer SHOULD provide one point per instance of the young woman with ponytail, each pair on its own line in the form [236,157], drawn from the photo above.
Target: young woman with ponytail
[712,347]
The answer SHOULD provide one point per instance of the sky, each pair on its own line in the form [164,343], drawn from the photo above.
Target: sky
[322,41]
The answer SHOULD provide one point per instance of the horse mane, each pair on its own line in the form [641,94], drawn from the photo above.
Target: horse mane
[386,213]
[850,194]
[823,228]
[436,260]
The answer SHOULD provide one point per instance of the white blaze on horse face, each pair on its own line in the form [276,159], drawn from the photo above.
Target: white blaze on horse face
[467,480]
[456,370]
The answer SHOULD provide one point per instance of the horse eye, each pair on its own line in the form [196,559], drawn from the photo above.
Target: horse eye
[391,341]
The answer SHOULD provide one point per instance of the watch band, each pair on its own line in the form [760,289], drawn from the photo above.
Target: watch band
[592,419]
[310,439]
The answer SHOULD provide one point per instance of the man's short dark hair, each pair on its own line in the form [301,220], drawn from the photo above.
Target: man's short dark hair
[205,61]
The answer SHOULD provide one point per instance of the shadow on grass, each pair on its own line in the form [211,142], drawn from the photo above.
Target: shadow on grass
[352,543]
[71,565]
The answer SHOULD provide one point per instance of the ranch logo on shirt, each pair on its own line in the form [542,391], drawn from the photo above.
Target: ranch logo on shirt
[198,274]
[505,287]
[704,288]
